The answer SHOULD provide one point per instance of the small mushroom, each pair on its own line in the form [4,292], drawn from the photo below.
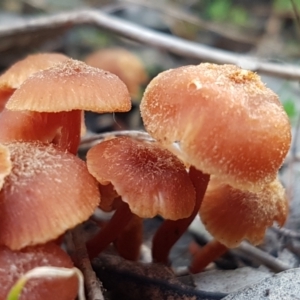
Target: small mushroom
[150,181]
[48,105]
[123,63]
[232,215]
[223,121]
[47,192]
[14,264]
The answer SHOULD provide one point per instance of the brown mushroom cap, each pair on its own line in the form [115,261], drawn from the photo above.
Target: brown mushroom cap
[232,215]
[47,192]
[21,70]
[150,179]
[226,121]
[121,62]
[14,264]
[5,164]
[71,85]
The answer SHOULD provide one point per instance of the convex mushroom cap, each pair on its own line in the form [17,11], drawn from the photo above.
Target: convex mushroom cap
[21,70]
[232,215]
[47,192]
[147,177]
[71,85]
[226,121]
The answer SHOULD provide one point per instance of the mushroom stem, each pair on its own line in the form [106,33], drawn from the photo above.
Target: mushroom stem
[170,231]
[110,232]
[4,96]
[61,129]
[133,232]
[204,256]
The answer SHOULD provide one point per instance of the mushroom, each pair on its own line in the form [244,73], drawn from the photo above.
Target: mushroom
[21,70]
[123,63]
[223,121]
[14,264]
[232,215]
[147,180]
[48,105]
[47,192]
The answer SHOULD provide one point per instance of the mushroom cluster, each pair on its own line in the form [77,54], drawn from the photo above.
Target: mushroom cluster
[231,133]
[45,189]
[224,121]
[220,138]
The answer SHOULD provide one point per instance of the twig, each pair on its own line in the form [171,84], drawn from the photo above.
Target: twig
[149,37]
[245,248]
[290,163]
[134,280]
[81,259]
[89,141]
[270,261]
[178,14]
[102,136]
[287,232]
[296,12]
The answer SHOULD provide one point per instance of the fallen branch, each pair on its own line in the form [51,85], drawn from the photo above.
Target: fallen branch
[245,249]
[286,232]
[263,257]
[176,13]
[149,37]
[134,280]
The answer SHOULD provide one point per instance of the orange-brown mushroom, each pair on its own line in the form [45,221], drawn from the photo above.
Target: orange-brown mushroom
[47,192]
[232,215]
[123,63]
[223,120]
[14,264]
[150,180]
[48,105]
[21,70]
